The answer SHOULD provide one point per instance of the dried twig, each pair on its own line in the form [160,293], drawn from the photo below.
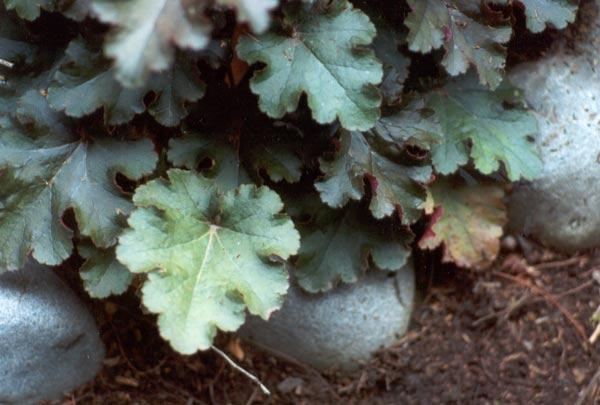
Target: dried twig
[6,63]
[242,370]
[560,263]
[583,395]
[549,297]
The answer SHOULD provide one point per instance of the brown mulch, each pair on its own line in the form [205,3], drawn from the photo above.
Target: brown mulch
[514,334]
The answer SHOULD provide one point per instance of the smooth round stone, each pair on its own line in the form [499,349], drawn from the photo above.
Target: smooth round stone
[562,208]
[49,343]
[340,328]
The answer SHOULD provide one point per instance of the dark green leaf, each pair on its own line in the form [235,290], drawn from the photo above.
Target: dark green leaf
[495,123]
[318,55]
[394,187]
[337,244]
[44,173]
[194,149]
[465,39]
[101,273]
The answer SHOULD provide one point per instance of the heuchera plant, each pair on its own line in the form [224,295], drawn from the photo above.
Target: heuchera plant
[200,144]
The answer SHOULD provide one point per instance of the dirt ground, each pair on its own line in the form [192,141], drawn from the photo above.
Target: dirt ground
[517,333]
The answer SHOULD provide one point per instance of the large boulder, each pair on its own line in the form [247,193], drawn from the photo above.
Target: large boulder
[49,343]
[340,328]
[562,208]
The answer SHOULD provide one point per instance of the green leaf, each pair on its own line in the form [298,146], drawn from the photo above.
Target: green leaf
[44,173]
[101,273]
[146,33]
[317,53]
[557,13]
[274,148]
[173,89]
[31,9]
[207,255]
[479,44]
[465,39]
[394,187]
[413,125]
[255,12]
[336,246]
[14,43]
[428,24]
[395,63]
[85,82]
[495,123]
[279,162]
[468,221]
[193,149]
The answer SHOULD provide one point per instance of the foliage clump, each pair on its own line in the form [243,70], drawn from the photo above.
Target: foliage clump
[200,144]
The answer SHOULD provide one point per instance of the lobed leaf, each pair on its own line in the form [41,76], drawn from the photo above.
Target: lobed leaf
[541,13]
[207,255]
[465,39]
[495,123]
[255,12]
[337,245]
[468,221]
[414,125]
[146,34]
[101,273]
[31,9]
[395,64]
[44,173]
[85,82]
[193,149]
[15,44]
[394,187]
[318,54]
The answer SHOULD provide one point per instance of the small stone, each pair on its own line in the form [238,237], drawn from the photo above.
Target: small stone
[289,384]
[339,328]
[49,343]
[562,208]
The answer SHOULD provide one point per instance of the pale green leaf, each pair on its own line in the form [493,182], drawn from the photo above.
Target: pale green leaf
[146,34]
[255,12]
[541,13]
[317,53]
[207,255]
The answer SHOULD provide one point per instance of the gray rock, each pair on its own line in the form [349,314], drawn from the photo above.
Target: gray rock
[49,343]
[340,328]
[562,208]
